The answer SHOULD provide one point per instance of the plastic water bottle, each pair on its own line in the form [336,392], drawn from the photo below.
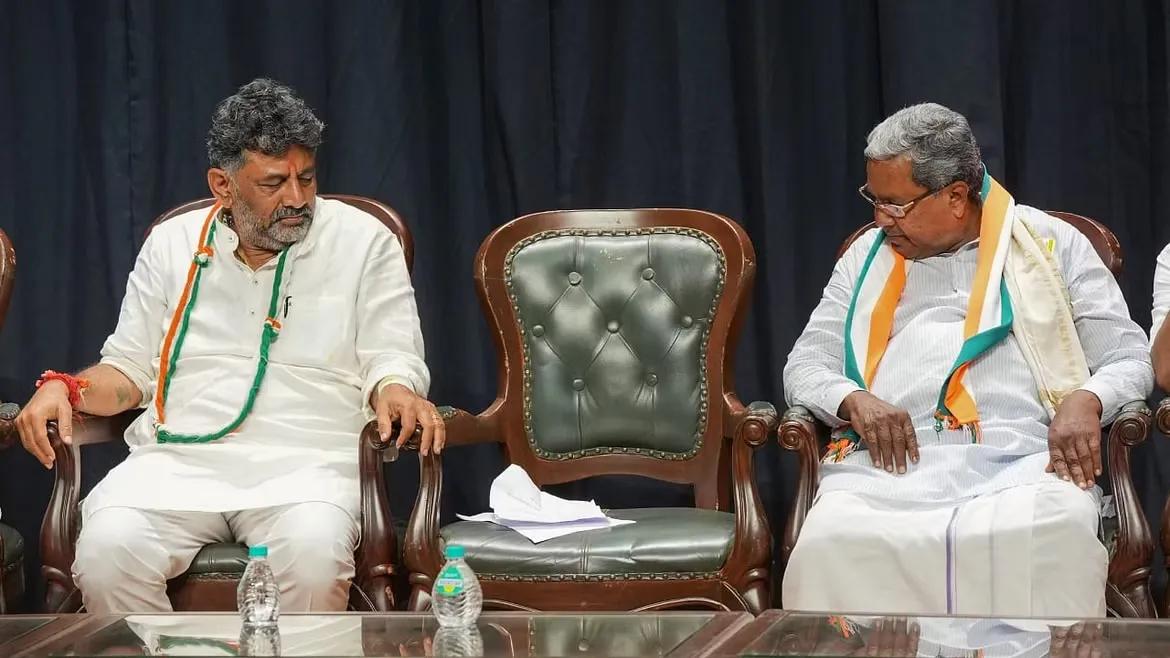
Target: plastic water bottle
[458,642]
[258,597]
[259,640]
[456,597]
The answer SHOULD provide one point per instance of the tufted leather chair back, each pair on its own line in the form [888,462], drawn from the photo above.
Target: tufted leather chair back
[615,328]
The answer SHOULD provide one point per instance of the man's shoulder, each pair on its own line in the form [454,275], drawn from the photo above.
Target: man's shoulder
[177,235]
[861,246]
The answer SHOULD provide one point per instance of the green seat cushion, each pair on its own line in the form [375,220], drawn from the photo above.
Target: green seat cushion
[661,540]
[13,546]
[220,559]
[612,635]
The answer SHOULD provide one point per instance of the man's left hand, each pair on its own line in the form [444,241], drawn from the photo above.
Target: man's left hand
[398,402]
[1074,439]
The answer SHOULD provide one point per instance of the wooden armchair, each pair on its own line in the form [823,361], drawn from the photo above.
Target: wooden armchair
[1127,537]
[210,583]
[1162,420]
[615,331]
[11,543]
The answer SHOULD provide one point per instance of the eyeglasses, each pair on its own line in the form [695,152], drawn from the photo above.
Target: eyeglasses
[892,209]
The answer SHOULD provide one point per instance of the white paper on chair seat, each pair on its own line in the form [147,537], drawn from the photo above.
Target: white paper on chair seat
[537,532]
[514,496]
[517,503]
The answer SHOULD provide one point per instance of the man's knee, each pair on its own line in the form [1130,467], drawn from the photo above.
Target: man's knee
[314,548]
[113,545]
[1068,515]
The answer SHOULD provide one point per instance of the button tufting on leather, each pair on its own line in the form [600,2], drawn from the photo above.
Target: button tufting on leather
[609,336]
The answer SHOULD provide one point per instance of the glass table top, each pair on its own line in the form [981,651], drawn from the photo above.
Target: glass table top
[406,634]
[13,627]
[776,633]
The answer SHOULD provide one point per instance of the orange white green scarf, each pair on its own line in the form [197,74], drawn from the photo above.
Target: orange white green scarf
[1018,288]
[989,311]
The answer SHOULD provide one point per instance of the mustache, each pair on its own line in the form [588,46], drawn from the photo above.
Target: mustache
[284,212]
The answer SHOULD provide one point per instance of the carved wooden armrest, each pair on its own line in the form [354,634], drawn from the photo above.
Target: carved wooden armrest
[798,432]
[462,428]
[1129,569]
[1133,423]
[421,554]
[62,519]
[8,413]
[375,555]
[748,564]
[756,422]
[1162,416]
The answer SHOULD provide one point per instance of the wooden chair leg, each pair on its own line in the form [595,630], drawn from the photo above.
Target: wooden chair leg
[420,599]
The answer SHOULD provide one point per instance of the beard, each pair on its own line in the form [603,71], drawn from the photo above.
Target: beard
[269,233]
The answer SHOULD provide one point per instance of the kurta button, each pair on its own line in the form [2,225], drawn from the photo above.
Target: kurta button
[652,379]
[574,278]
[578,384]
[687,321]
[613,326]
[648,273]
[538,330]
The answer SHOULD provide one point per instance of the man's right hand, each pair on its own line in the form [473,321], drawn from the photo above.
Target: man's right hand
[50,402]
[888,434]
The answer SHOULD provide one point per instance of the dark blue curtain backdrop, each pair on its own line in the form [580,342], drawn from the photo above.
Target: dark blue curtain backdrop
[464,114]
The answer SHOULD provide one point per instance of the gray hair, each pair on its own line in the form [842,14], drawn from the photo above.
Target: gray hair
[263,116]
[938,141]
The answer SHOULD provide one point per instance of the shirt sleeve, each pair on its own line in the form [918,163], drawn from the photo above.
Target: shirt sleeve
[389,337]
[1161,292]
[1116,348]
[133,348]
[814,373]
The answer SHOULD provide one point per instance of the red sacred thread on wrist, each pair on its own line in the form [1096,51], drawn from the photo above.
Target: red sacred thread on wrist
[75,384]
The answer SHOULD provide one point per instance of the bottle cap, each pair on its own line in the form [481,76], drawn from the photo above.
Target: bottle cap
[257,551]
[454,552]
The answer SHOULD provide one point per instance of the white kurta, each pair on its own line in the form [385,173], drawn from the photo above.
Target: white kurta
[953,471]
[349,321]
[1161,292]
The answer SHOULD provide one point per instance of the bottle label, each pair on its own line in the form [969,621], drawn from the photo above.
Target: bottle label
[449,582]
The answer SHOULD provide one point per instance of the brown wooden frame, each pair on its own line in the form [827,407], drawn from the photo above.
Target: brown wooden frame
[1127,591]
[8,410]
[721,471]
[1162,421]
[11,583]
[374,556]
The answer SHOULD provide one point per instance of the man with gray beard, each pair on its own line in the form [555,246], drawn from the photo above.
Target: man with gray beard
[259,337]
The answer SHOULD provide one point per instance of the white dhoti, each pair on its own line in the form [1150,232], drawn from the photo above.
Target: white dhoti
[1027,551]
[125,556]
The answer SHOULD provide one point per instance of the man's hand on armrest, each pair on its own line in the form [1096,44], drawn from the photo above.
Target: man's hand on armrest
[397,402]
[1074,439]
[110,392]
[887,431]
